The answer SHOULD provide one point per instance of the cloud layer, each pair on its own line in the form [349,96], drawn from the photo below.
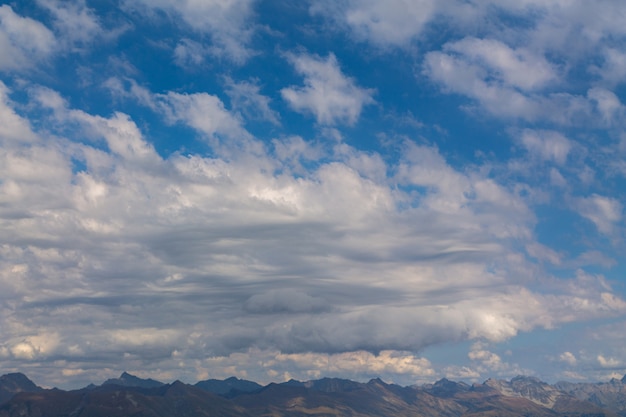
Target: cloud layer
[267,226]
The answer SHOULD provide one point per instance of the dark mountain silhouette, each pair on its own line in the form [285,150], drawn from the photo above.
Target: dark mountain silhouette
[128,380]
[520,397]
[171,400]
[228,387]
[332,385]
[11,384]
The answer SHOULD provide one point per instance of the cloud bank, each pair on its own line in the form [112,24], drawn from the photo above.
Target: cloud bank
[264,212]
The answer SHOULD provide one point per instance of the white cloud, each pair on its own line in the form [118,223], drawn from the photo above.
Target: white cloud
[394,22]
[228,22]
[568,357]
[24,350]
[570,29]
[12,127]
[292,151]
[328,94]
[205,113]
[546,145]
[360,362]
[143,337]
[122,136]
[461,372]
[201,111]
[486,362]
[396,366]
[457,75]
[608,362]
[487,359]
[607,104]
[74,21]
[519,68]
[500,94]
[22,40]
[604,212]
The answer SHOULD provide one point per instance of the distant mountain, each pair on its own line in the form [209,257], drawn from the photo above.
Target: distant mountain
[377,398]
[608,395]
[332,385]
[229,386]
[446,388]
[520,397]
[11,384]
[547,396]
[128,380]
[171,400]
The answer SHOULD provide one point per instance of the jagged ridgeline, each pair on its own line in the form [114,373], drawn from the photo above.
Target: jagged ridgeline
[129,395]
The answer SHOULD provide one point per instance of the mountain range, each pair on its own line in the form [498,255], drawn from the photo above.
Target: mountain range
[129,395]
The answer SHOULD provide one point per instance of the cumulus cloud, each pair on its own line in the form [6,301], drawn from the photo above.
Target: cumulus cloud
[23,40]
[395,366]
[228,23]
[500,91]
[568,357]
[608,362]
[545,27]
[202,111]
[496,77]
[205,113]
[327,93]
[13,128]
[394,23]
[459,76]
[486,358]
[546,145]
[76,24]
[519,67]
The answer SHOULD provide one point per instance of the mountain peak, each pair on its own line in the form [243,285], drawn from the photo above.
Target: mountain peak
[228,386]
[128,380]
[527,379]
[376,381]
[11,384]
[332,385]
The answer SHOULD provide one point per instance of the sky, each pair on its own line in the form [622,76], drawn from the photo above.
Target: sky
[407,189]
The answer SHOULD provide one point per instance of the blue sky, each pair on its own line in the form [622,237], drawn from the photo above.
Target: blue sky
[272,190]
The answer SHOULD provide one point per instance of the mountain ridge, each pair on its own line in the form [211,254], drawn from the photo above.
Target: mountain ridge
[131,395]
